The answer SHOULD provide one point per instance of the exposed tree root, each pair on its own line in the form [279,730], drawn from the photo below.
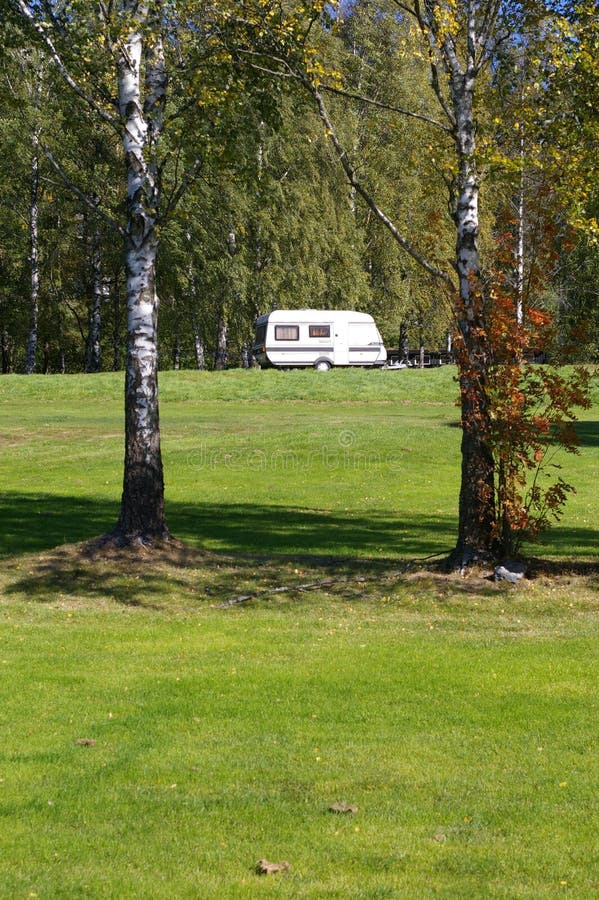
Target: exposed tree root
[461,559]
[119,540]
[327,582]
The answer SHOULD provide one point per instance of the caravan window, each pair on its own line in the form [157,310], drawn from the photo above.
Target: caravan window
[286,332]
[320,331]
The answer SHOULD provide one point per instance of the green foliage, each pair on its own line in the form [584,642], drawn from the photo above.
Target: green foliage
[577,303]
[402,160]
[301,238]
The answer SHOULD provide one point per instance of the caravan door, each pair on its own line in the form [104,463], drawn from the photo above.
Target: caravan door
[340,343]
[365,344]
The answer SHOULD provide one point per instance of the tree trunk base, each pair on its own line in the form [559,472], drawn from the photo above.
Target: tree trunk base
[462,558]
[118,539]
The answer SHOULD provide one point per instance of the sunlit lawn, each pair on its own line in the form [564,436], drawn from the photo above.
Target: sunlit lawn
[458,715]
[354,462]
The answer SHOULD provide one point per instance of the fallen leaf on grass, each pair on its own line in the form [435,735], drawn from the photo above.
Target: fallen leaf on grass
[264,867]
[440,838]
[343,808]
[86,742]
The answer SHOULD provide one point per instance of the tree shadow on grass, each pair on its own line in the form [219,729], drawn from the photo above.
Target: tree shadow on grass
[231,549]
[296,532]
[577,547]
[32,523]
[587,433]
[75,572]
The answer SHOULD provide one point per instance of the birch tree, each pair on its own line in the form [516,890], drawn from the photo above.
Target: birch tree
[132,42]
[129,36]
[92,361]
[34,269]
[458,39]
[123,63]
[25,77]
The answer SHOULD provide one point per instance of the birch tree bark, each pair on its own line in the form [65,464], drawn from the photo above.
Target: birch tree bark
[5,352]
[61,354]
[198,343]
[92,349]
[476,501]
[116,323]
[477,491]
[142,505]
[221,352]
[246,356]
[31,351]
[194,303]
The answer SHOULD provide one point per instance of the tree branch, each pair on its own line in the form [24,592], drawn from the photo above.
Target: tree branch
[406,9]
[327,582]
[366,196]
[284,72]
[81,194]
[378,103]
[72,309]
[486,30]
[56,59]
[178,193]
[427,29]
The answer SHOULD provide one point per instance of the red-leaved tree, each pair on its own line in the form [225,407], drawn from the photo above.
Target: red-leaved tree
[531,407]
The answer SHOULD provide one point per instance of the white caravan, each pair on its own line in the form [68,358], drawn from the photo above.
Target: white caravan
[291,338]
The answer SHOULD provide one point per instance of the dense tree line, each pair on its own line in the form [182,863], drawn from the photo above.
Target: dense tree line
[267,221]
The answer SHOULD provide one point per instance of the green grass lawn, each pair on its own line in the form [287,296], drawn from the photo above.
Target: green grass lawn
[357,462]
[458,715]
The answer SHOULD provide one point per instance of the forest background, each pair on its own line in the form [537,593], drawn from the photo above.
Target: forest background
[268,219]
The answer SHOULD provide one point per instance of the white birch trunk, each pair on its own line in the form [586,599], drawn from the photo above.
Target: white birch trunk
[176,336]
[402,343]
[476,501]
[246,356]
[142,506]
[256,282]
[221,354]
[92,350]
[31,352]
[61,353]
[198,343]
[5,352]
[116,325]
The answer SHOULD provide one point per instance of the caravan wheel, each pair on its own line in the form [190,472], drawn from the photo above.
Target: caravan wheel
[322,365]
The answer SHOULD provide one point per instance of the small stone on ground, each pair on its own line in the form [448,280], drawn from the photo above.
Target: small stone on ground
[510,571]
